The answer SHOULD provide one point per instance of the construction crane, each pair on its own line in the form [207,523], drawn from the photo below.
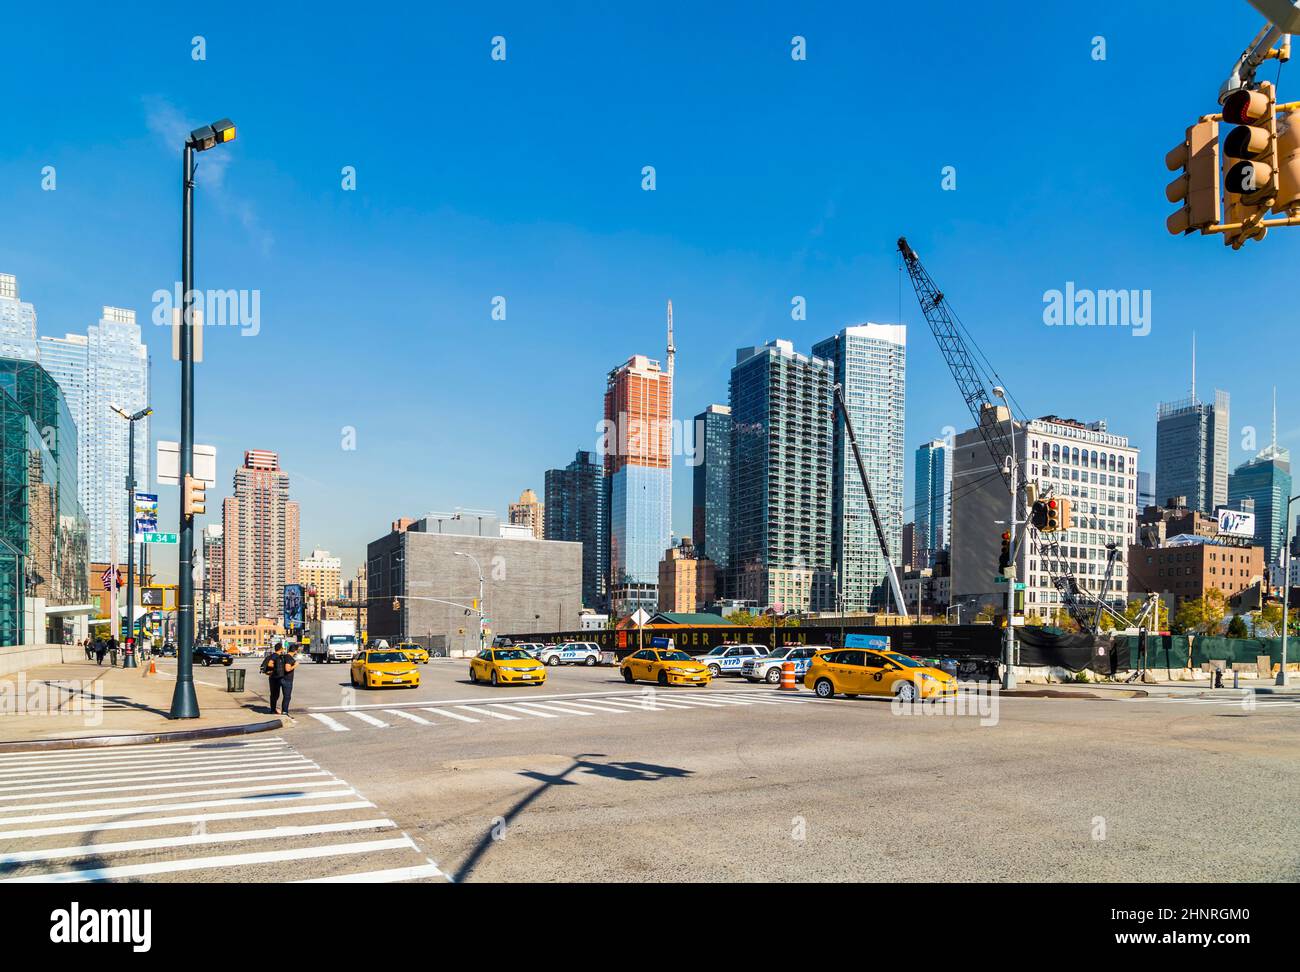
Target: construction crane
[960,356]
[871,503]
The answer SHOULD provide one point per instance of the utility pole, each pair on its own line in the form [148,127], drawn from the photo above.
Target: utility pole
[1009,650]
[128,654]
[474,561]
[1286,593]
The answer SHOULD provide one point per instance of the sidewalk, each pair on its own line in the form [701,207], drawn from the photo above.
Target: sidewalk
[84,704]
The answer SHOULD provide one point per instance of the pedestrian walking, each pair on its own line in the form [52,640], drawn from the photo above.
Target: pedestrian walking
[90,649]
[274,671]
[101,649]
[112,651]
[287,662]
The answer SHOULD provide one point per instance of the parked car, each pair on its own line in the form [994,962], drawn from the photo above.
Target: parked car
[168,650]
[767,668]
[729,659]
[212,655]
[570,653]
[534,648]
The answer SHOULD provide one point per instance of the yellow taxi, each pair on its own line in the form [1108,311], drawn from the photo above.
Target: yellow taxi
[862,671]
[376,669]
[666,666]
[506,666]
[416,652]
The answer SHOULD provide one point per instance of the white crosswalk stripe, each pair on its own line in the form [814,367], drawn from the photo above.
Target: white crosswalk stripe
[251,810]
[1235,701]
[523,710]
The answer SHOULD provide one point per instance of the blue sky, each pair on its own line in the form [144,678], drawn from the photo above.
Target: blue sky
[522,178]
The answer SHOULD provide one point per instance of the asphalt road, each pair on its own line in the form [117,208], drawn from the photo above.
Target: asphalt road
[589,779]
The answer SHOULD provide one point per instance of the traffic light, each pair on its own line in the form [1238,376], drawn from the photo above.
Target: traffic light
[1288,162]
[1250,181]
[1038,515]
[1198,186]
[1004,558]
[1056,515]
[194,496]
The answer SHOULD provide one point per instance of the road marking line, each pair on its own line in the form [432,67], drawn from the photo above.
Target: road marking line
[645,705]
[285,762]
[379,877]
[703,702]
[166,786]
[332,723]
[452,715]
[198,805]
[552,707]
[762,701]
[526,709]
[183,818]
[176,770]
[484,710]
[142,752]
[409,715]
[592,705]
[371,720]
[223,862]
[251,793]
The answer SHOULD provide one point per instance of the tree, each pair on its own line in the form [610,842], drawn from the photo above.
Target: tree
[1268,620]
[1204,615]
[1237,627]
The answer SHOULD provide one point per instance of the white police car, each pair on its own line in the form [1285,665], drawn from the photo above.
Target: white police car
[729,659]
[570,653]
[768,667]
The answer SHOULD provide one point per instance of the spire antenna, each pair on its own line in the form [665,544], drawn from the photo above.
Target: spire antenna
[672,348]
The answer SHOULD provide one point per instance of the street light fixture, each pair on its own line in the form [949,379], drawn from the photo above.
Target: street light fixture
[185,704]
[471,559]
[1008,676]
[128,639]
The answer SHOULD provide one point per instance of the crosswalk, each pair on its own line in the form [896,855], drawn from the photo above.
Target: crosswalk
[522,710]
[1236,700]
[248,810]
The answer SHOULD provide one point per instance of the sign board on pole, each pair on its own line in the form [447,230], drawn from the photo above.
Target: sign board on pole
[157,538]
[1235,523]
[169,464]
[876,642]
[640,617]
[146,514]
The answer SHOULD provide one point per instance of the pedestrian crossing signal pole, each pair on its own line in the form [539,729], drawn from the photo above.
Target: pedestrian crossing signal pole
[1009,649]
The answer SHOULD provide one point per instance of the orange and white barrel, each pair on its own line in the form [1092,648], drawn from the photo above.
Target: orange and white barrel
[787,678]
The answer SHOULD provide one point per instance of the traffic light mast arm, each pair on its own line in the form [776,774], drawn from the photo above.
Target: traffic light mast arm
[871,503]
[1259,51]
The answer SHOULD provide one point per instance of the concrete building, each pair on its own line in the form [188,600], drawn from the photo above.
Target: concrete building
[106,366]
[1188,566]
[711,487]
[432,568]
[1094,468]
[687,581]
[870,364]
[214,563]
[1158,524]
[43,531]
[931,505]
[323,574]
[260,540]
[781,409]
[929,586]
[637,451]
[909,551]
[577,511]
[529,512]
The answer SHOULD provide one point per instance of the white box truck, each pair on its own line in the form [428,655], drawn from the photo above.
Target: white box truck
[333,641]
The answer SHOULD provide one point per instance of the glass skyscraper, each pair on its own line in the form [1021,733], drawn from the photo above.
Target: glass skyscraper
[17,323]
[1266,479]
[1192,452]
[870,363]
[931,507]
[781,411]
[108,365]
[575,511]
[711,492]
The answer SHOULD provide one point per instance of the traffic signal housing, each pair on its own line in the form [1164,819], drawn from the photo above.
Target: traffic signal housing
[1038,515]
[1250,178]
[194,496]
[1058,516]
[1004,558]
[1197,188]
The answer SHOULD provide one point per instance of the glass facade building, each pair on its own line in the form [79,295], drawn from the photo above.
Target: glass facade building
[932,490]
[711,489]
[870,364]
[575,511]
[780,544]
[43,531]
[106,366]
[1192,452]
[17,322]
[1266,479]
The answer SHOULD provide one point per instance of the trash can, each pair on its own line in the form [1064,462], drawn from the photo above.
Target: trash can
[234,679]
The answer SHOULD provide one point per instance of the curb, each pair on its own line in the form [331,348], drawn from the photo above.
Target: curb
[135,739]
[1048,693]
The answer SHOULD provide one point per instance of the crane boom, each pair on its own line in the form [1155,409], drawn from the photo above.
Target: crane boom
[957,354]
[871,503]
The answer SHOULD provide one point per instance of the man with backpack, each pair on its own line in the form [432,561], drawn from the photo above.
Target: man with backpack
[273,670]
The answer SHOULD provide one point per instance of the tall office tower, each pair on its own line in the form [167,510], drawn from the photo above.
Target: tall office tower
[1091,466]
[529,512]
[322,573]
[17,323]
[931,506]
[782,425]
[870,364]
[214,563]
[107,366]
[260,533]
[639,474]
[1192,449]
[576,511]
[711,512]
[1266,479]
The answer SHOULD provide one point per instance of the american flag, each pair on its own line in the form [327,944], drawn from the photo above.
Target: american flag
[108,577]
